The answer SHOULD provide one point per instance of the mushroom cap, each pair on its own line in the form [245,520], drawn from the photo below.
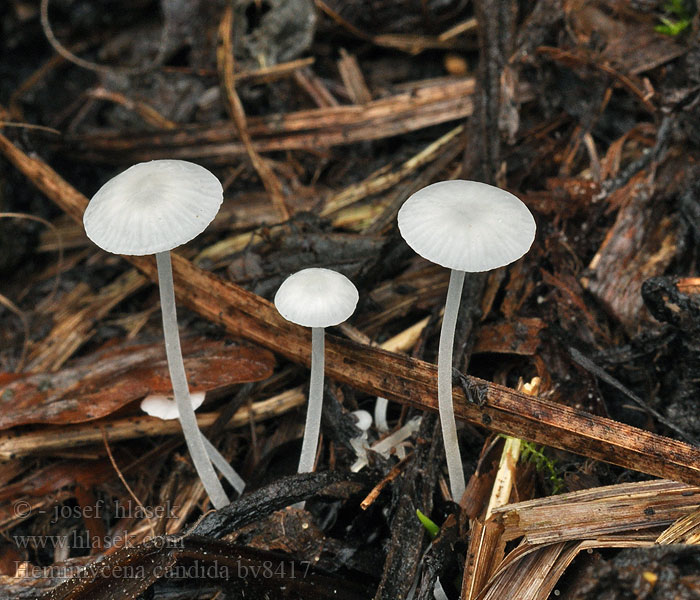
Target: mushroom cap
[316,298]
[164,407]
[364,419]
[467,225]
[153,207]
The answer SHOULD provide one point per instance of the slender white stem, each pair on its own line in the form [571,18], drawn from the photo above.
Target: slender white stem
[224,468]
[447,413]
[438,591]
[380,408]
[313,411]
[176,366]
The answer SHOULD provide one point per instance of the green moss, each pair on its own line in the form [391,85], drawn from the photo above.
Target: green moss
[677,19]
[546,466]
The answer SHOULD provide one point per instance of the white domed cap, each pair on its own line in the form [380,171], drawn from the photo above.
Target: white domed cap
[364,419]
[153,207]
[466,225]
[164,407]
[316,298]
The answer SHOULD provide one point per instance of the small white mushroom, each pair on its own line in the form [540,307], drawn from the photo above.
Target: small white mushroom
[315,298]
[151,208]
[464,226]
[363,423]
[386,445]
[364,419]
[165,408]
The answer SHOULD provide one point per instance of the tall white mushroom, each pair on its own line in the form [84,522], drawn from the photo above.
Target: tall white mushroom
[316,298]
[151,208]
[465,226]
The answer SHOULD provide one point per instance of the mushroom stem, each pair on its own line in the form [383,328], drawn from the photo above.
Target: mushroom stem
[445,408]
[313,412]
[224,468]
[176,366]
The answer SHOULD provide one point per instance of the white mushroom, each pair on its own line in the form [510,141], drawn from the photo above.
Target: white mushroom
[464,226]
[152,208]
[391,442]
[315,298]
[363,419]
[165,408]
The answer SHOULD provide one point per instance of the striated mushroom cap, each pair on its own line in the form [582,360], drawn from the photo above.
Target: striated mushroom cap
[466,225]
[153,207]
[316,298]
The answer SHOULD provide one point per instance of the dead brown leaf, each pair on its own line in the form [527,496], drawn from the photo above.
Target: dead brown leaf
[101,386]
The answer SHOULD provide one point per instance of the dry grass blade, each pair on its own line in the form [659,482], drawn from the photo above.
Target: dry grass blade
[303,130]
[353,79]
[599,511]
[314,87]
[486,550]
[75,319]
[532,572]
[685,530]
[226,62]
[534,576]
[29,126]
[149,114]
[385,179]
[468,25]
[556,529]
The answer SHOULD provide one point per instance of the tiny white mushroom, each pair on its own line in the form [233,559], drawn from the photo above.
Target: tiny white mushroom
[315,298]
[364,419]
[151,208]
[363,423]
[465,226]
[386,445]
[165,408]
